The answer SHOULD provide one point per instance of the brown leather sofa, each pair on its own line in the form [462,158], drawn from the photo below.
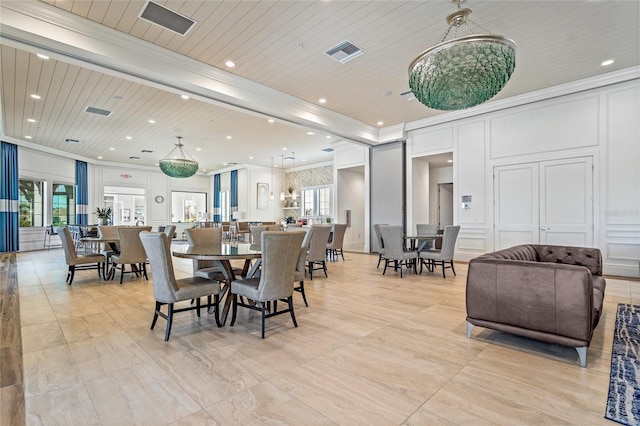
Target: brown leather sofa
[544,292]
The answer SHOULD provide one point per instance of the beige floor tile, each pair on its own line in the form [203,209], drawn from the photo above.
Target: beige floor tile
[42,336]
[265,404]
[200,418]
[143,394]
[49,370]
[65,407]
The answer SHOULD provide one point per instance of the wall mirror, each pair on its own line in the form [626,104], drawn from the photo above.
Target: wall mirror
[188,207]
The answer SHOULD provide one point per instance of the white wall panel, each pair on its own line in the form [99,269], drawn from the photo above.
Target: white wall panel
[42,165]
[351,197]
[432,140]
[548,126]
[350,157]
[386,186]
[470,165]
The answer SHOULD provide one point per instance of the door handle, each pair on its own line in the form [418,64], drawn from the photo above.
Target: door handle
[544,228]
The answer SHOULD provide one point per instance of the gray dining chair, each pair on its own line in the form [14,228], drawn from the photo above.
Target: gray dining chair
[168,290]
[430,258]
[131,253]
[280,253]
[109,232]
[394,251]
[209,269]
[376,229]
[170,230]
[334,247]
[75,261]
[301,269]
[256,231]
[427,230]
[317,255]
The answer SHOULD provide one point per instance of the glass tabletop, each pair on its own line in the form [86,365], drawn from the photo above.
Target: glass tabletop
[218,251]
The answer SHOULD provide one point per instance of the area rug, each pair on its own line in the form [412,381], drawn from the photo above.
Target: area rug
[623,401]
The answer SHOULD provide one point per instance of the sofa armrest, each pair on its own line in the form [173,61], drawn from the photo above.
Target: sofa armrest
[549,297]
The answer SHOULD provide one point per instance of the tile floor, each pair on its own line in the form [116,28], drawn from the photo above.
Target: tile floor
[370,349]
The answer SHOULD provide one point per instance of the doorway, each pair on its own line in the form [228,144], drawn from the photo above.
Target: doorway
[445,204]
[549,202]
[129,205]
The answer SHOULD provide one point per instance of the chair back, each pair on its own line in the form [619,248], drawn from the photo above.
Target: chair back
[304,249]
[225,226]
[157,247]
[427,229]
[392,237]
[376,228]
[108,232]
[280,251]
[242,227]
[274,227]
[449,241]
[200,237]
[318,245]
[203,236]
[294,226]
[131,249]
[170,231]
[68,245]
[338,230]
[256,232]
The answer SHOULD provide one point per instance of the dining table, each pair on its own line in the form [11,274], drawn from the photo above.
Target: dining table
[223,254]
[113,246]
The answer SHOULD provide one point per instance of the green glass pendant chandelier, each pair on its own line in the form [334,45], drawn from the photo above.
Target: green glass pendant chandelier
[177,165]
[464,71]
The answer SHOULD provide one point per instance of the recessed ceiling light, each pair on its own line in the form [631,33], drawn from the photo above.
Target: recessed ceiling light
[230,64]
[99,157]
[228,137]
[128,137]
[250,158]
[152,121]
[198,149]
[112,149]
[276,166]
[224,164]
[284,148]
[34,96]
[310,133]
[607,62]
[328,136]
[304,159]
[184,96]
[42,56]
[380,123]
[28,137]
[449,161]
[322,100]
[271,120]
[31,120]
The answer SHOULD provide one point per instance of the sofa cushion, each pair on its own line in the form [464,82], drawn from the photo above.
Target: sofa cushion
[581,256]
[523,252]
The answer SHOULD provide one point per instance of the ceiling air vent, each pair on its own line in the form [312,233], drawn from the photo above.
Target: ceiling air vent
[146,151]
[166,18]
[134,158]
[327,150]
[98,111]
[345,52]
[72,140]
[408,95]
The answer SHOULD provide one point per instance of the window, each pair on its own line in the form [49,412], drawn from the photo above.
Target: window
[225,206]
[31,203]
[63,205]
[186,207]
[316,201]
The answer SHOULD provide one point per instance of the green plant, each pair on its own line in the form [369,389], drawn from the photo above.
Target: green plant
[290,190]
[104,213]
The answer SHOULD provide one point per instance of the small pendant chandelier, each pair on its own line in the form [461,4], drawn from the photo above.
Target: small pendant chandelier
[464,71]
[283,176]
[179,166]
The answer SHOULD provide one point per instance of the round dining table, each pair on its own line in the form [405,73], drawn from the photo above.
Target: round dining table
[223,254]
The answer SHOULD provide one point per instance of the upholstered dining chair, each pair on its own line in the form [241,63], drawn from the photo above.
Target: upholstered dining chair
[256,232]
[131,253]
[170,231]
[167,290]
[301,269]
[394,249]
[317,256]
[376,229]
[427,230]
[202,237]
[75,261]
[109,232]
[334,247]
[280,251]
[432,257]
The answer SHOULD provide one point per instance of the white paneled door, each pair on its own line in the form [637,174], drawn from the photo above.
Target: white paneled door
[549,202]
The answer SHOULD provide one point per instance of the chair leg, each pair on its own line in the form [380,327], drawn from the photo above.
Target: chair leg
[401,269]
[293,315]
[443,269]
[144,270]
[386,263]
[169,320]
[122,272]
[198,307]
[234,311]
[216,301]
[379,260]
[324,266]
[71,273]
[304,296]
[311,271]
[453,269]
[342,254]
[155,314]
[264,312]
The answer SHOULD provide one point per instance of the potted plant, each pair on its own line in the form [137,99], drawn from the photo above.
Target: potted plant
[290,190]
[104,215]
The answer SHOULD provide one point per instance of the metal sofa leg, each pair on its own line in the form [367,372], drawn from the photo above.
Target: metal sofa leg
[469,328]
[582,354]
